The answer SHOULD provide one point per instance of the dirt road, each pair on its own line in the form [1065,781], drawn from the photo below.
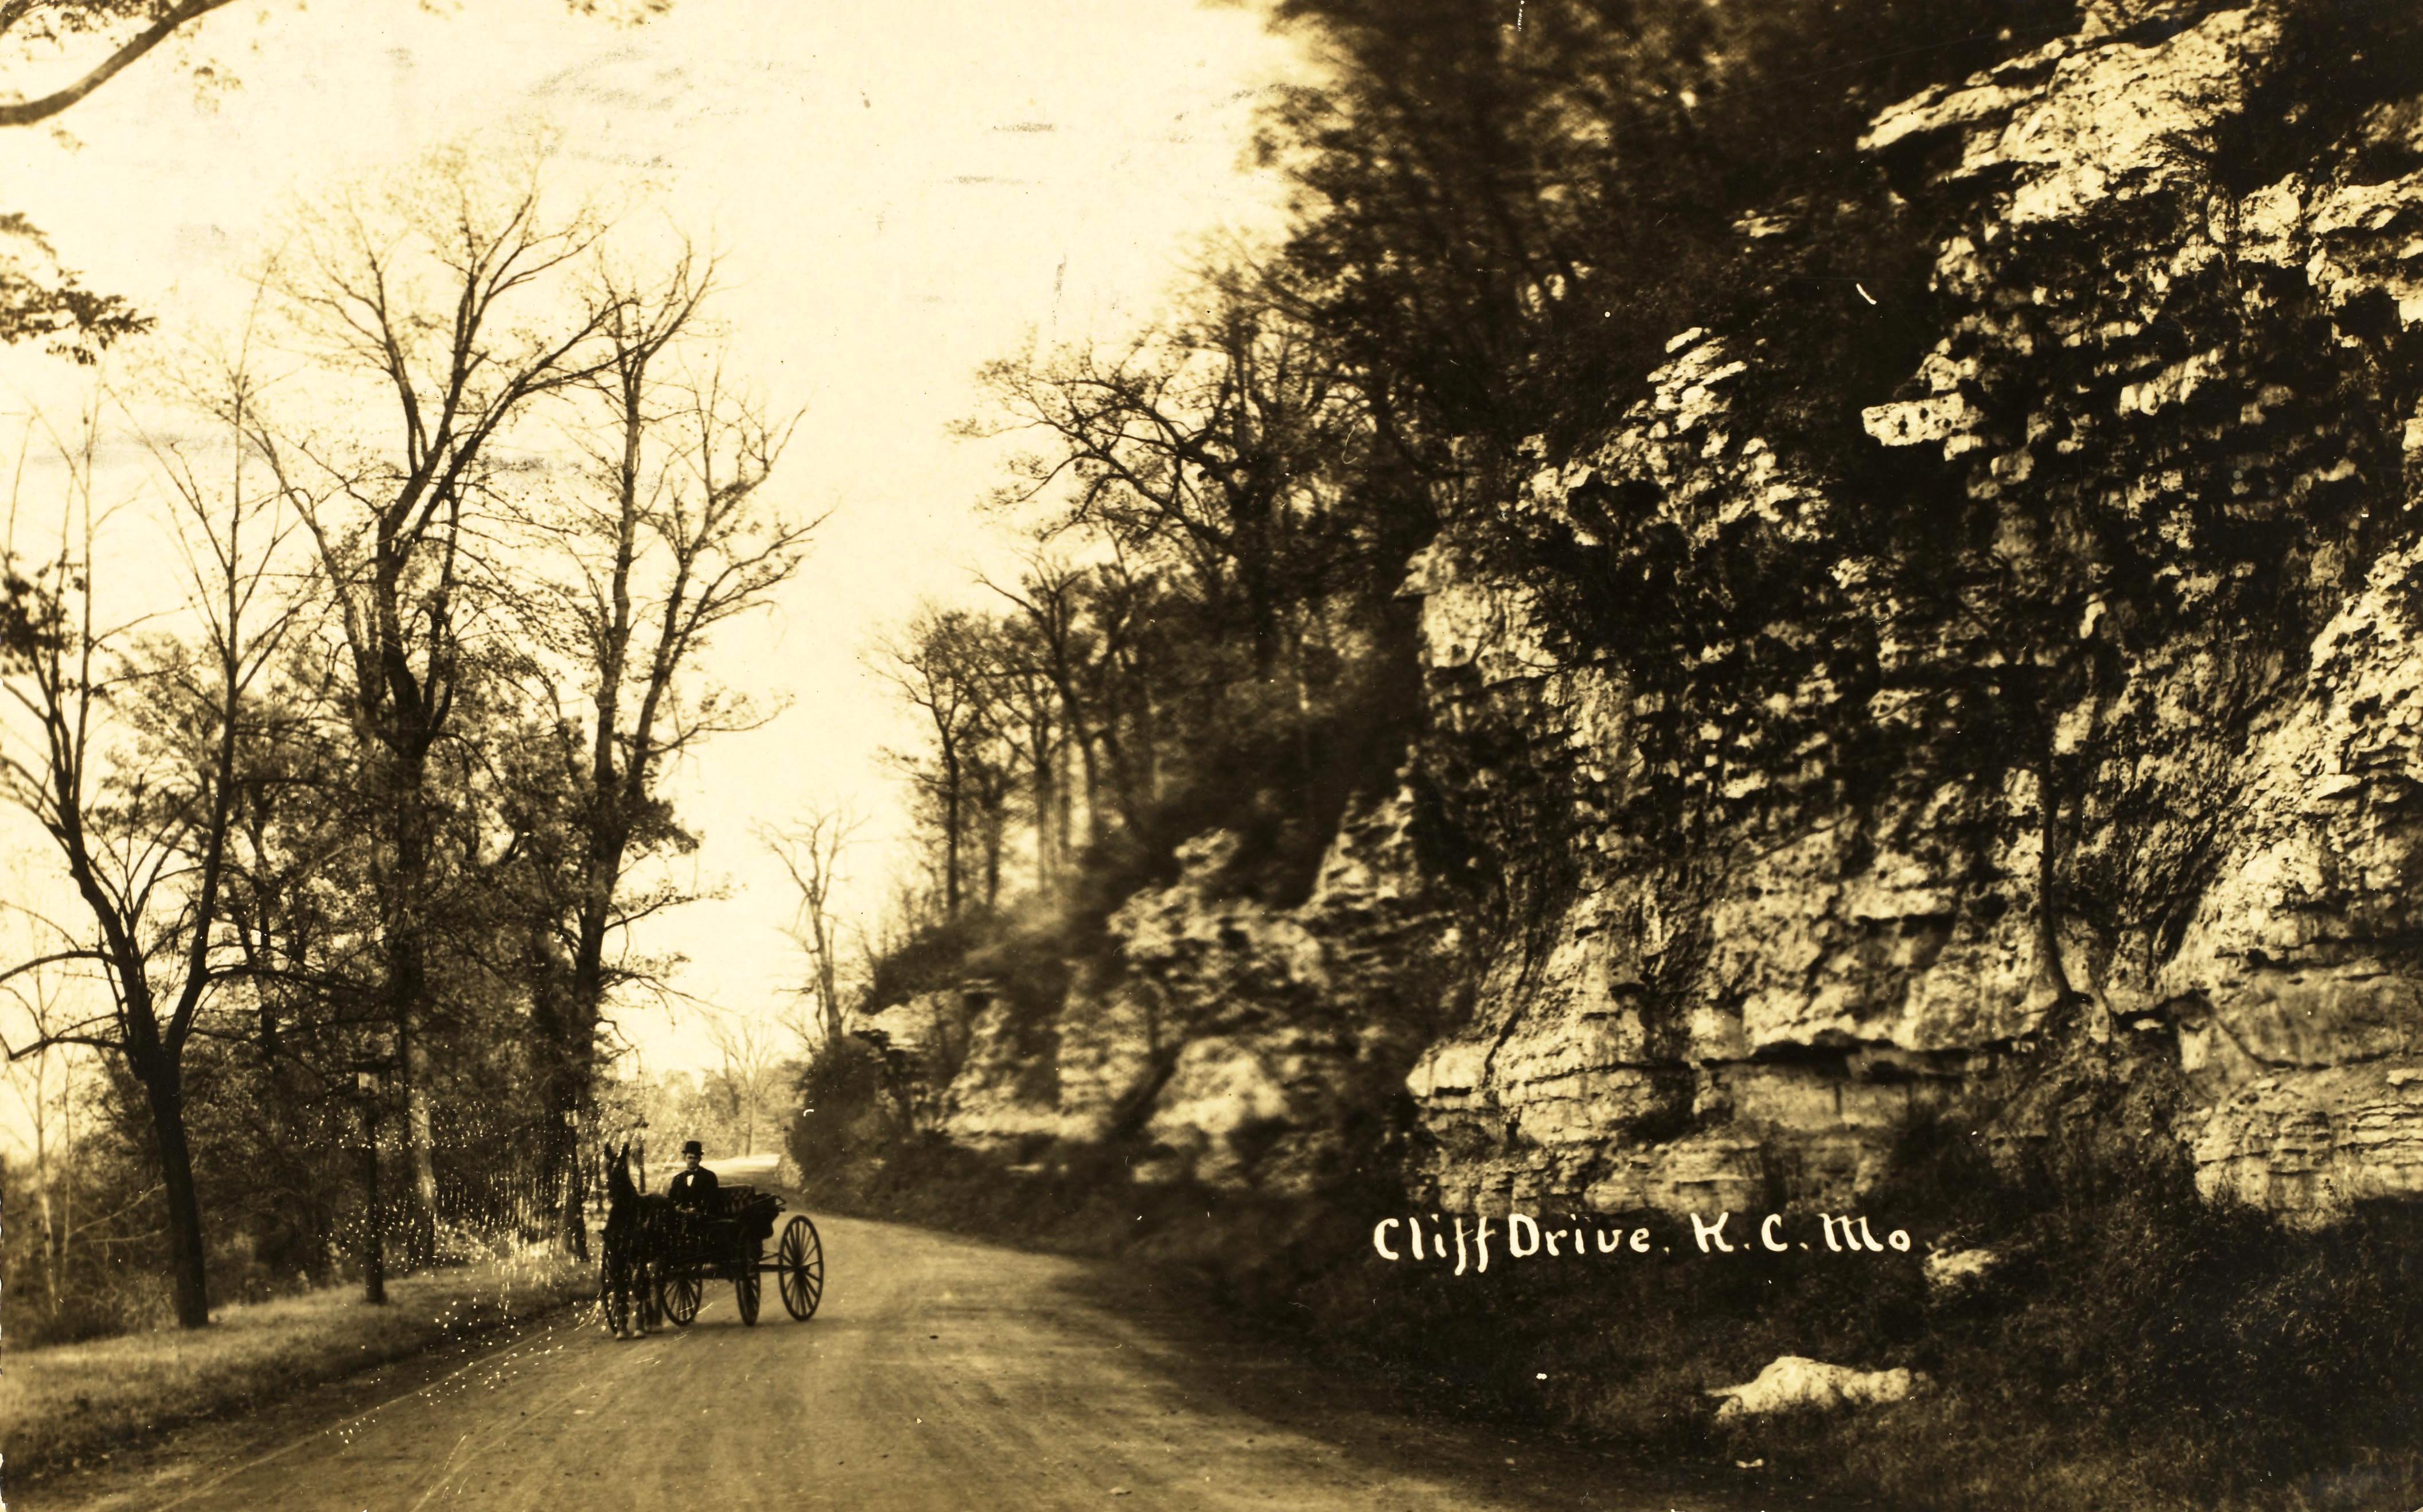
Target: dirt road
[940,1374]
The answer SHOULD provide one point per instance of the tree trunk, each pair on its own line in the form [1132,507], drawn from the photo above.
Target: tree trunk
[1148,747]
[163,1089]
[1064,796]
[408,998]
[1093,770]
[67,1177]
[576,1067]
[54,1251]
[828,978]
[373,1216]
[2052,978]
[559,1163]
[1306,790]
[424,1150]
[992,837]
[950,838]
[1047,863]
[566,1191]
[576,1206]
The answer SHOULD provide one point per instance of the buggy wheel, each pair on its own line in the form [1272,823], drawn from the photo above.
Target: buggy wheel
[745,1290]
[681,1293]
[799,1269]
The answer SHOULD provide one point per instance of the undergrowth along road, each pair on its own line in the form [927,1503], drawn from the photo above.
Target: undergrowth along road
[70,1403]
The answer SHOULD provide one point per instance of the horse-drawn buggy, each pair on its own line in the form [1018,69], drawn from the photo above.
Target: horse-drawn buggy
[658,1257]
[727,1242]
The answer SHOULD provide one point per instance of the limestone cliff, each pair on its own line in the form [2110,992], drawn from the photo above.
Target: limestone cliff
[2171,409]
[1217,1038]
[2066,691]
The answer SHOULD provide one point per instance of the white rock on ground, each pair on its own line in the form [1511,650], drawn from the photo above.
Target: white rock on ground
[1792,1382]
[1950,1270]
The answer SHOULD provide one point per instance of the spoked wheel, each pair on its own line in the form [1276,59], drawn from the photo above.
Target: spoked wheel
[745,1289]
[681,1293]
[799,1266]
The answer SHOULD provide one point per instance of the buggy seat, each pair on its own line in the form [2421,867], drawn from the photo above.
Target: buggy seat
[750,1210]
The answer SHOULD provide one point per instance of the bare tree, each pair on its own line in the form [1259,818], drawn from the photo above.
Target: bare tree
[810,849]
[1023,709]
[1219,445]
[989,763]
[124,752]
[44,1084]
[748,1073]
[1065,650]
[932,664]
[669,535]
[455,299]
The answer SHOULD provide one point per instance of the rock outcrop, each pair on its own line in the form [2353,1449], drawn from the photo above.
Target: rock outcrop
[2069,690]
[1218,1039]
[2171,409]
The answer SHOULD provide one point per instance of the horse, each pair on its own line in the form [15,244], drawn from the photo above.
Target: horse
[634,1246]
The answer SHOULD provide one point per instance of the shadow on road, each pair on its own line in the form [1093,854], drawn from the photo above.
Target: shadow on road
[1380,1426]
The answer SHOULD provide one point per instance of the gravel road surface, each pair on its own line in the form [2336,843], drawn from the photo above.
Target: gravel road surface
[940,1373]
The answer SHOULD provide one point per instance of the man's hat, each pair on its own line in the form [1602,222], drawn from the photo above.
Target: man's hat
[692,1147]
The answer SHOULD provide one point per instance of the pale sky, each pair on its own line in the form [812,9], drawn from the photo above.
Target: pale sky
[903,190]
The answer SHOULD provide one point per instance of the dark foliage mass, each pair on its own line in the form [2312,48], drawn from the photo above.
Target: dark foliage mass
[39,301]
[1506,209]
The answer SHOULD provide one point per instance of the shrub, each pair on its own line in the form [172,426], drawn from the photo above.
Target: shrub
[845,1113]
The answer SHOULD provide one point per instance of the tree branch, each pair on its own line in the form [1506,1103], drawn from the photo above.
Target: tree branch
[28,112]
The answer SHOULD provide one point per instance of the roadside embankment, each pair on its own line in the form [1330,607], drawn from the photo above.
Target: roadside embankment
[2090,1332]
[65,1404]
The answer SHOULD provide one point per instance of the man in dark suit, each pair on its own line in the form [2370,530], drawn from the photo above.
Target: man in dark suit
[693,1186]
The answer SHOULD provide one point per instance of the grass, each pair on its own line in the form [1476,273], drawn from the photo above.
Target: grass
[61,1404]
